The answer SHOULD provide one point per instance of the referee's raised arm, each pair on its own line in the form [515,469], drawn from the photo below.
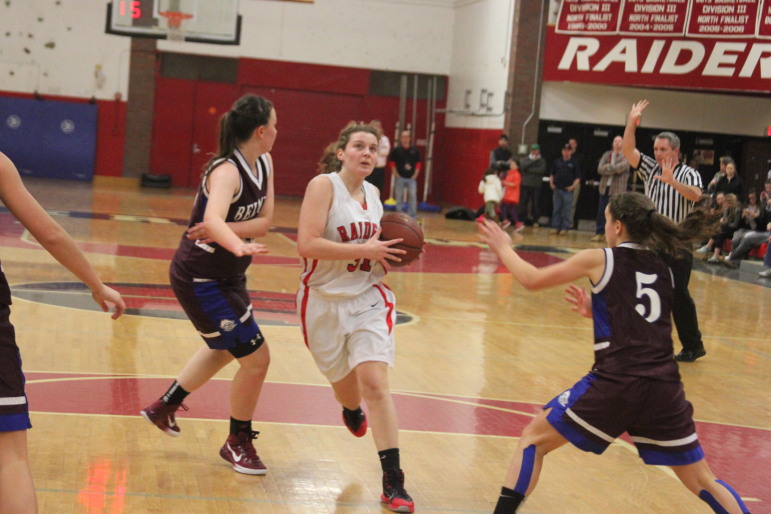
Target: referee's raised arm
[629,146]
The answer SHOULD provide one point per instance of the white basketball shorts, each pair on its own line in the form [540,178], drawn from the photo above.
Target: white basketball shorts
[342,333]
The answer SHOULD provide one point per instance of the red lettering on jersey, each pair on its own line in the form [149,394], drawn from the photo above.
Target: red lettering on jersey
[354,232]
[367,230]
[343,234]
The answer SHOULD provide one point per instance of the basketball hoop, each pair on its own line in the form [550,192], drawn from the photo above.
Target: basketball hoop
[174,19]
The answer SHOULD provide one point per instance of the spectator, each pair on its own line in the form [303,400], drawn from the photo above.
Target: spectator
[720,174]
[579,158]
[747,240]
[490,186]
[674,193]
[533,168]
[766,193]
[406,163]
[767,260]
[500,156]
[377,177]
[564,178]
[729,223]
[510,202]
[614,175]
[731,183]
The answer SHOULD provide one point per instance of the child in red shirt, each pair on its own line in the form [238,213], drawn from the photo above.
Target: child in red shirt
[510,202]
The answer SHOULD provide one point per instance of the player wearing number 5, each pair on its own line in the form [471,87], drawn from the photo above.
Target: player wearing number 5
[347,313]
[634,385]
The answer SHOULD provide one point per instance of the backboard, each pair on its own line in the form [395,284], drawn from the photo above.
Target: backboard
[207,21]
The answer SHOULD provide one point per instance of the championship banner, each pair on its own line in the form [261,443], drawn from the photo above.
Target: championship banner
[685,44]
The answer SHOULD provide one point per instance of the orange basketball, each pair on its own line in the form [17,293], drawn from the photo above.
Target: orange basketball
[397,225]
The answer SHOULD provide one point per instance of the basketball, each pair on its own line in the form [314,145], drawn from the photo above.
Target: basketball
[397,225]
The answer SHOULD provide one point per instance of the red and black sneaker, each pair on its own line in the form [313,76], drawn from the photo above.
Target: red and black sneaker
[239,451]
[163,416]
[394,495]
[356,421]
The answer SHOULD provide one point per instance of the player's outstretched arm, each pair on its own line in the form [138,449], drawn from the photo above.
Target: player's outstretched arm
[586,263]
[52,236]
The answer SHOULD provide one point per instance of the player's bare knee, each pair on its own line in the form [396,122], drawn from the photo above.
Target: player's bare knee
[373,388]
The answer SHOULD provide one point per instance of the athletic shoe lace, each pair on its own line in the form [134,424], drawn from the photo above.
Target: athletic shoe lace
[245,441]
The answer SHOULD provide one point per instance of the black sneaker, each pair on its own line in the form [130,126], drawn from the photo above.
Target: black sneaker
[690,355]
[356,421]
[394,495]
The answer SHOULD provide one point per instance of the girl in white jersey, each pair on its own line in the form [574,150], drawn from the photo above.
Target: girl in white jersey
[347,314]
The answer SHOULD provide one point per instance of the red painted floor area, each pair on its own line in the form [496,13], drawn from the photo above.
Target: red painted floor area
[738,455]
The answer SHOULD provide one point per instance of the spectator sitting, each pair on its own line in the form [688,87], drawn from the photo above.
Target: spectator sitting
[767,259]
[510,202]
[732,215]
[490,186]
[750,239]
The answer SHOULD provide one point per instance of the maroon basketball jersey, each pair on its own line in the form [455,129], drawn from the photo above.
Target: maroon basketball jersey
[210,260]
[632,306]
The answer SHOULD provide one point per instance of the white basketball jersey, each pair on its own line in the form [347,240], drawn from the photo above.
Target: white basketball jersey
[351,223]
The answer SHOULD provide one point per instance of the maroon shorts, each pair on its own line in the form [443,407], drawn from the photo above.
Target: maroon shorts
[14,410]
[221,311]
[655,413]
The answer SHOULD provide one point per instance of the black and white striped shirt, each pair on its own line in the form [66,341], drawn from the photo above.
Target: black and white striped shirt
[667,200]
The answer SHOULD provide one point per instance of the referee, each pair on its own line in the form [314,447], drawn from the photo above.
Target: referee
[673,194]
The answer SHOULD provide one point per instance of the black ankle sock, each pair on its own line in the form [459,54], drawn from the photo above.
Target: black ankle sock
[352,415]
[175,395]
[389,459]
[237,426]
[508,501]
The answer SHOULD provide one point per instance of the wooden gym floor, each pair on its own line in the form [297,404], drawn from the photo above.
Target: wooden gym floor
[477,355]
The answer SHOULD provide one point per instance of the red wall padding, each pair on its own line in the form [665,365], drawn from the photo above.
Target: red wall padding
[461,160]
[313,103]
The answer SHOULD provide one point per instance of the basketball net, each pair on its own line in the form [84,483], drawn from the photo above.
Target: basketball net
[174,19]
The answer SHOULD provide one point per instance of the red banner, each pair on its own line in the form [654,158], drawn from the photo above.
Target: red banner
[687,44]
[764,21]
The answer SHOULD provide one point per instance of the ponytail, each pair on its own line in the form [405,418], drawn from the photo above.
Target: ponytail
[239,123]
[647,227]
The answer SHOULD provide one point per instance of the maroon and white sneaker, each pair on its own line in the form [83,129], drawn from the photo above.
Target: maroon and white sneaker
[394,495]
[239,451]
[163,416]
[356,421]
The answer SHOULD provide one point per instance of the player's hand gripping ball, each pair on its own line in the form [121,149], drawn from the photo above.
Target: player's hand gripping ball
[397,225]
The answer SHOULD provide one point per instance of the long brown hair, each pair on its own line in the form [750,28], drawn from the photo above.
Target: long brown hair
[329,163]
[647,227]
[237,125]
